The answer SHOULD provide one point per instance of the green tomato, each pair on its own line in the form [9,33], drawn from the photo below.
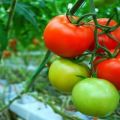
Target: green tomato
[95,97]
[63,74]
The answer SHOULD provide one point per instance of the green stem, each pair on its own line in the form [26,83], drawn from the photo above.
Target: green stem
[96,38]
[103,26]
[94,52]
[106,50]
[10,102]
[108,28]
[85,15]
[112,37]
[72,11]
[76,6]
[97,45]
[30,82]
[114,28]
[11,14]
[117,51]
[109,20]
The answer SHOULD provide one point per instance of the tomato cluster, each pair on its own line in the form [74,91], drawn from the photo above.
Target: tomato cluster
[95,96]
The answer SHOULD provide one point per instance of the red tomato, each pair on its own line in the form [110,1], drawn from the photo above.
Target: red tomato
[66,39]
[99,59]
[110,70]
[103,39]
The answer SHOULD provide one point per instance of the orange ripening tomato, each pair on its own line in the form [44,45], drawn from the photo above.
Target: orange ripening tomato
[103,39]
[12,43]
[6,54]
[66,39]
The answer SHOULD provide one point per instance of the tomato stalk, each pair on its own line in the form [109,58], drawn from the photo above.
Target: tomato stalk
[11,14]
[117,51]
[114,27]
[109,20]
[84,16]
[30,82]
[107,29]
[76,6]
[112,37]
[8,24]
[97,45]
[92,9]
[72,11]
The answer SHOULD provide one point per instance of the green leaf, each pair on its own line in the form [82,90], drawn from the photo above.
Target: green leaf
[24,11]
[29,15]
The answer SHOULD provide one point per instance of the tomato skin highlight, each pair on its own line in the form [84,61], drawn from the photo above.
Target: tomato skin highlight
[95,97]
[103,39]
[63,74]
[110,70]
[66,39]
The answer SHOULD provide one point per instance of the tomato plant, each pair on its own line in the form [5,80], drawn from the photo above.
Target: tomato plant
[64,74]
[110,70]
[95,97]
[104,39]
[66,39]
